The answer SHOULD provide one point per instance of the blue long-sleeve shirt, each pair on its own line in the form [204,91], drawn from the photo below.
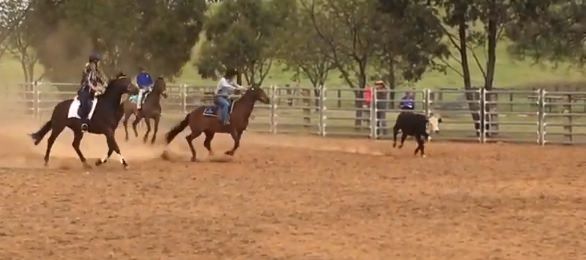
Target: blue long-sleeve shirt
[144,80]
[407,103]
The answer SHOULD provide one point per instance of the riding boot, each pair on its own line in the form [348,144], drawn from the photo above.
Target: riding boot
[84,125]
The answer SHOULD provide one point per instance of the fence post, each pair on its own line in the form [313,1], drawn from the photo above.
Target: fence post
[373,111]
[36,100]
[483,132]
[322,110]
[183,91]
[541,116]
[273,112]
[427,101]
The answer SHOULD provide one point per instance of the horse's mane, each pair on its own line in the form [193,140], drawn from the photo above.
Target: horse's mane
[118,76]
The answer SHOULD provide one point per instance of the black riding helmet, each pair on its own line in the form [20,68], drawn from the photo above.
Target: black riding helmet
[94,57]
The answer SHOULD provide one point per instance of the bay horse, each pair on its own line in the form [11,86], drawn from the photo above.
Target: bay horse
[210,125]
[105,119]
[151,109]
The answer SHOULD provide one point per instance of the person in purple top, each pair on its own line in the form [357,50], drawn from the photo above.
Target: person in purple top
[145,85]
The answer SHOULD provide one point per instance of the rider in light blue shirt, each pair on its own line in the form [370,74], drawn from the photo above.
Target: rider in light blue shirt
[224,90]
[145,84]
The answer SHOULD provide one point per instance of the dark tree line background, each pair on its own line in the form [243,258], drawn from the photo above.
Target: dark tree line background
[396,40]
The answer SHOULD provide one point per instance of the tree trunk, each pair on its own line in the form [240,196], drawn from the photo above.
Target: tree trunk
[470,97]
[491,119]
[359,94]
[392,83]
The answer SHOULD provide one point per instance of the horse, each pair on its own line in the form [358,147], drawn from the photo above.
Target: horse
[151,109]
[415,125]
[210,124]
[105,119]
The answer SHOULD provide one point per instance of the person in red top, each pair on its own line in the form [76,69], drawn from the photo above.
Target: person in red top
[367,96]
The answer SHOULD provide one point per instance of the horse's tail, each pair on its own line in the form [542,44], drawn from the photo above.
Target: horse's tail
[177,129]
[38,136]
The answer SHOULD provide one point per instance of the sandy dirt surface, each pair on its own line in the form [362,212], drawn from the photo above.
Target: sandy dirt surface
[292,197]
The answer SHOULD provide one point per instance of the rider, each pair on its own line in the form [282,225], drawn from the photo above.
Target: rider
[145,85]
[408,101]
[92,81]
[225,88]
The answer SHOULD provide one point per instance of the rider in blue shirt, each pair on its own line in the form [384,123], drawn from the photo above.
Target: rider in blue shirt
[145,84]
[408,101]
[224,90]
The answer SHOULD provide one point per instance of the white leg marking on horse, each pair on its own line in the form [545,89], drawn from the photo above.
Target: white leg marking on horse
[121,158]
[104,159]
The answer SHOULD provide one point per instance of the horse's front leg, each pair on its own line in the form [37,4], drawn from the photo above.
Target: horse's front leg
[137,118]
[114,146]
[77,136]
[107,157]
[125,123]
[148,131]
[236,135]
[157,120]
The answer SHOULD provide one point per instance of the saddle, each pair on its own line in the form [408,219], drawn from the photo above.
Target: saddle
[134,98]
[212,110]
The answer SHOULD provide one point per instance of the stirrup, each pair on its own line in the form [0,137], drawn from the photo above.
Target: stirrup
[84,127]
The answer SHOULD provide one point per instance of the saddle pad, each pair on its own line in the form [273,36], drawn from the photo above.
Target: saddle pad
[213,110]
[74,107]
[133,99]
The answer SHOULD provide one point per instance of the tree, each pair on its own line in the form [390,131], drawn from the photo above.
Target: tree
[551,30]
[127,33]
[346,28]
[469,25]
[410,42]
[239,34]
[18,24]
[302,50]
[12,14]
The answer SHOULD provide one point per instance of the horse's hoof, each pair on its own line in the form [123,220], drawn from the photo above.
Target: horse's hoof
[99,162]
[86,166]
[193,159]
[165,156]
[231,153]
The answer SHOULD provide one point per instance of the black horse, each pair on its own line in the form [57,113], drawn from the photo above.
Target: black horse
[105,119]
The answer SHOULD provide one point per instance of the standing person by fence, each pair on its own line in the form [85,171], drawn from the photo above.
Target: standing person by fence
[367,96]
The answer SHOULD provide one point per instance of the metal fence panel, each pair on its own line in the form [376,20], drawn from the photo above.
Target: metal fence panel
[470,115]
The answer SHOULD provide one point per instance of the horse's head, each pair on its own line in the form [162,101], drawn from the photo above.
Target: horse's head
[258,94]
[122,84]
[160,87]
[434,120]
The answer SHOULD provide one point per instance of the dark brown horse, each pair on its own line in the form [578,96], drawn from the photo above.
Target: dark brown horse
[210,125]
[104,121]
[151,109]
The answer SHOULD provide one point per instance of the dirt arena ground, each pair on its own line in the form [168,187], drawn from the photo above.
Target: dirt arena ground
[292,197]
